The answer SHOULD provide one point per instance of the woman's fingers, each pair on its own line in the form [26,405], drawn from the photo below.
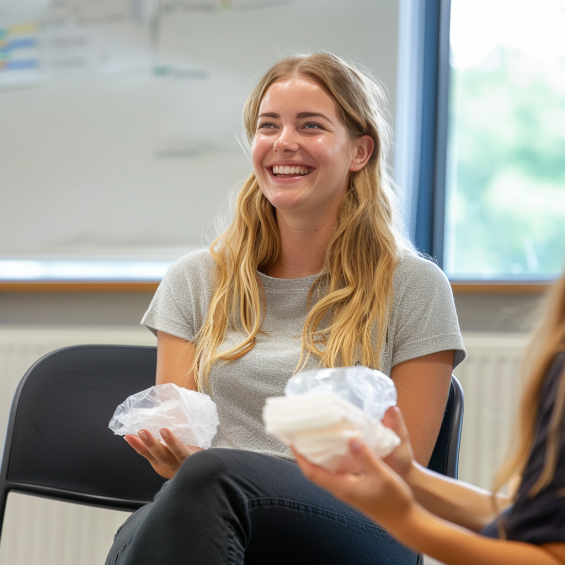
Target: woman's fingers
[359,452]
[394,420]
[139,447]
[162,458]
[365,458]
[179,449]
[159,451]
[342,485]
[402,458]
[309,469]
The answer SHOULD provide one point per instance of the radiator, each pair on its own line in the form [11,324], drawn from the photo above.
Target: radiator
[490,378]
[45,532]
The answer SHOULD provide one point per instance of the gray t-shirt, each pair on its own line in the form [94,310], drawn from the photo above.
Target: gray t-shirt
[423,321]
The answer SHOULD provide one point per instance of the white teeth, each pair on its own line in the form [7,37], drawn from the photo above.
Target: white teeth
[288,170]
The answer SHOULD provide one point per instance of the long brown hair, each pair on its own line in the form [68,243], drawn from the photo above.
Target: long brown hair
[547,342]
[355,290]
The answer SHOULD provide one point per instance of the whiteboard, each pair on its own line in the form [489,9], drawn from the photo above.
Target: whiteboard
[138,163]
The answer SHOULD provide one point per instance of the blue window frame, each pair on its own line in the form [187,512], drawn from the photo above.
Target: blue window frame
[480,152]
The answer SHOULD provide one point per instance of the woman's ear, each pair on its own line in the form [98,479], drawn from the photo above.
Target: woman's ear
[363,149]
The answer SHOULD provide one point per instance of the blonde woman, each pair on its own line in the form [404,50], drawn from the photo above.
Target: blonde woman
[312,272]
[457,523]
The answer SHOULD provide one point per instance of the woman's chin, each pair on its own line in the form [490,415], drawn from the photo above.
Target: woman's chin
[286,200]
[286,206]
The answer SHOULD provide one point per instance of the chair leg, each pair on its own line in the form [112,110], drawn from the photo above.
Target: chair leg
[3,500]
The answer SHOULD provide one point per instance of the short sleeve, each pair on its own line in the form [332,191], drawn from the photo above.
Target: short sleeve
[424,319]
[180,304]
[538,520]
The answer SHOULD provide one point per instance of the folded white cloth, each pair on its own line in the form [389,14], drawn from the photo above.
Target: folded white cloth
[321,425]
[190,415]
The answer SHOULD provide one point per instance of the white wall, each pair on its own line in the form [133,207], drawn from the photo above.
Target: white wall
[137,160]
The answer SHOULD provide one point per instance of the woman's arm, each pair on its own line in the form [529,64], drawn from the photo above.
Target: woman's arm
[457,546]
[456,501]
[175,357]
[383,496]
[423,386]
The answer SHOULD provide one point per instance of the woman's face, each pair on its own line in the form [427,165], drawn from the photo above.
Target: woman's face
[302,153]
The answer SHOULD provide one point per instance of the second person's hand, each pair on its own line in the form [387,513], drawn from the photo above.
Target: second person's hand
[165,459]
[377,490]
[401,460]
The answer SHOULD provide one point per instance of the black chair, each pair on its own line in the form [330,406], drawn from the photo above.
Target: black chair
[445,457]
[58,444]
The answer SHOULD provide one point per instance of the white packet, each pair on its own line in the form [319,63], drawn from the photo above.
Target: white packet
[321,425]
[324,409]
[190,415]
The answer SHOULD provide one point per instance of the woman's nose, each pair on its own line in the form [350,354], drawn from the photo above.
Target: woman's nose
[286,141]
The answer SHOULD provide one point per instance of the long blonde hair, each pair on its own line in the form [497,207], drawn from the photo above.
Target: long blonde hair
[547,342]
[354,290]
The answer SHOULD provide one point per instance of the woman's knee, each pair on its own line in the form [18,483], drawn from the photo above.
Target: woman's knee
[204,469]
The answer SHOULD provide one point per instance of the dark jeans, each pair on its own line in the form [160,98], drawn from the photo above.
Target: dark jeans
[227,506]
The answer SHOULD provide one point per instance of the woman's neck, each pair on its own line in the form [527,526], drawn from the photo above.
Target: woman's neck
[303,247]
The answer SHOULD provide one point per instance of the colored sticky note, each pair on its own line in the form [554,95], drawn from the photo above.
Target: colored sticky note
[23,29]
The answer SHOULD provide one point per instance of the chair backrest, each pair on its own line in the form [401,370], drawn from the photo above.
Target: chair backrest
[58,443]
[445,457]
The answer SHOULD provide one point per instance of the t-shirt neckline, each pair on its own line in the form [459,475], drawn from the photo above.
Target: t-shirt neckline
[303,283]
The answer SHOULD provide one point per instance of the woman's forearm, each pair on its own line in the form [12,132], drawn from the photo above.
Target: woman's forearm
[455,501]
[382,495]
[453,545]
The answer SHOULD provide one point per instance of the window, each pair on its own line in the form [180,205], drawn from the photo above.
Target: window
[505,173]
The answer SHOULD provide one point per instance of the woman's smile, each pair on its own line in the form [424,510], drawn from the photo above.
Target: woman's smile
[289,174]
[289,171]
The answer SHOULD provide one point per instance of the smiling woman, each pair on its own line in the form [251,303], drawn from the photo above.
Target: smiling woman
[303,165]
[313,270]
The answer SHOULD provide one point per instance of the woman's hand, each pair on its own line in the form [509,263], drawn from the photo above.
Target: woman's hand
[377,491]
[165,459]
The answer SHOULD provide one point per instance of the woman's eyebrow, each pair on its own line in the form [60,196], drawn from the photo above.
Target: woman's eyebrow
[299,116]
[312,115]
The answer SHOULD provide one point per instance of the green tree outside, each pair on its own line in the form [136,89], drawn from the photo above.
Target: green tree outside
[506,211]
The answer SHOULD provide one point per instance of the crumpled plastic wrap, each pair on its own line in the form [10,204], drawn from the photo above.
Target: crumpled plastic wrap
[324,409]
[366,388]
[190,415]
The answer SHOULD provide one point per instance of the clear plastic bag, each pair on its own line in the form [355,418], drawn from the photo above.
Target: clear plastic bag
[324,409]
[366,388]
[190,415]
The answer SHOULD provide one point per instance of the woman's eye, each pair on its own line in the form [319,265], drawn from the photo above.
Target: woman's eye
[266,125]
[312,125]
